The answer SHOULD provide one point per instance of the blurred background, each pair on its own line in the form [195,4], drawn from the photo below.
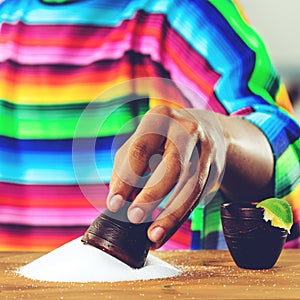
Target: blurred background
[278,24]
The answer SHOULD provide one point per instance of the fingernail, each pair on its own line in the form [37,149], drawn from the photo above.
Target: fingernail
[136,215]
[157,234]
[115,202]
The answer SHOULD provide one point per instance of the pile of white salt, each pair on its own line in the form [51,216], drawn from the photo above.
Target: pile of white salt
[76,262]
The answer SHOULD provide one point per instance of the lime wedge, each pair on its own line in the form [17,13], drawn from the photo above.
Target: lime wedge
[278,211]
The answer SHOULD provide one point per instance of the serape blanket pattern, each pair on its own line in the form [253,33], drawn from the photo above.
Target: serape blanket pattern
[67,77]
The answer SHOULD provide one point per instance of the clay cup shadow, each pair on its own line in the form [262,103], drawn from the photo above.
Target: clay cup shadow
[252,242]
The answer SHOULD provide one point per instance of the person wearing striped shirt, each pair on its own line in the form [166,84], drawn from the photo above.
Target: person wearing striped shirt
[183,90]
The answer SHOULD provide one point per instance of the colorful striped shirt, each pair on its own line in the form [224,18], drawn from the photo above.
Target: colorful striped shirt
[77,76]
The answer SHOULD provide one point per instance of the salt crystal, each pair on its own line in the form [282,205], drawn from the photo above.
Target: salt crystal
[76,262]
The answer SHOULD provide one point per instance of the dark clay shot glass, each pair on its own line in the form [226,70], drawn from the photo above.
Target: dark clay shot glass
[252,242]
[116,235]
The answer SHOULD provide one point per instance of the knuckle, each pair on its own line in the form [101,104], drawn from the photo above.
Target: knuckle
[162,109]
[125,179]
[149,196]
[192,127]
[176,164]
[207,146]
[139,151]
[173,218]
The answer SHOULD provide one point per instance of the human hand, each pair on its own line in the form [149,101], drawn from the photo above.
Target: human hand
[184,151]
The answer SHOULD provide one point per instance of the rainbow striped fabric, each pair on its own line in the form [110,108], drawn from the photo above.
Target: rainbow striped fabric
[74,84]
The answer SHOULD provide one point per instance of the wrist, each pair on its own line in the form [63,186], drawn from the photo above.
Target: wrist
[249,164]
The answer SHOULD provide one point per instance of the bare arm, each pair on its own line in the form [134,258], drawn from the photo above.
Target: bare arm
[249,166]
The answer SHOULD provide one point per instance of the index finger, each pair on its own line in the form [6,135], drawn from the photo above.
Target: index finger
[132,159]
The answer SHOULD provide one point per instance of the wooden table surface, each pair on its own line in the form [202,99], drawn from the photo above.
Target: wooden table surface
[206,275]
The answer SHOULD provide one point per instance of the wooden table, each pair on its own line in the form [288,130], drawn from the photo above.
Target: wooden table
[206,275]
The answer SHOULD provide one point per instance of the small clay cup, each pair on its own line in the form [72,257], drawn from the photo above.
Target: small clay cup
[252,242]
[114,234]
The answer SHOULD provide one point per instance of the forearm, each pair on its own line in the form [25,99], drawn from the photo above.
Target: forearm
[249,167]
